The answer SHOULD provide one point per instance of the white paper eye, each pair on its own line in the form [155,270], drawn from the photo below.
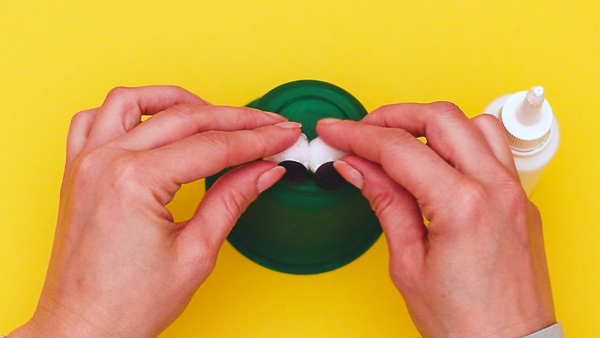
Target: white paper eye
[322,157]
[295,160]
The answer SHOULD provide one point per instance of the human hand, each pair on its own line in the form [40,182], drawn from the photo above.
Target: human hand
[478,269]
[120,265]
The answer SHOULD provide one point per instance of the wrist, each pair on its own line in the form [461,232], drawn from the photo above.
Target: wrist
[552,331]
[27,330]
[524,329]
[46,324]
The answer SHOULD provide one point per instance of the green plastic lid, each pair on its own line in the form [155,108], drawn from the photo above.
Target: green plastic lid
[300,228]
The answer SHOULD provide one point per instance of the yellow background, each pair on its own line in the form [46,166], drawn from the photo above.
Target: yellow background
[58,57]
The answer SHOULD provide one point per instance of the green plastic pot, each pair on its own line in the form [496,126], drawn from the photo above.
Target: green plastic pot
[301,229]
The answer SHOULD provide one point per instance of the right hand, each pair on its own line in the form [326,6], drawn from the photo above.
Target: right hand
[478,269]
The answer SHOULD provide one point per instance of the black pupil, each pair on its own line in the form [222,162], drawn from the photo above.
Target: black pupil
[327,178]
[295,173]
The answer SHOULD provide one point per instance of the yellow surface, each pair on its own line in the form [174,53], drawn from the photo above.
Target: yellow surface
[58,57]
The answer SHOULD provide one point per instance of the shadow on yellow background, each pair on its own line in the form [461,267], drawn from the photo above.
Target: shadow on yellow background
[59,57]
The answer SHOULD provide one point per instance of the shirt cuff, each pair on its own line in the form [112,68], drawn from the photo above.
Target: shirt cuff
[554,331]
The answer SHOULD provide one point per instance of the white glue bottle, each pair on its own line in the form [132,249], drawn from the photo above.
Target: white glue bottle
[531,130]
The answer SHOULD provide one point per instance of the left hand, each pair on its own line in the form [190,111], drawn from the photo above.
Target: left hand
[120,265]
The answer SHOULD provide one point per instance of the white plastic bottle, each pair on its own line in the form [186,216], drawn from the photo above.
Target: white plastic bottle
[531,130]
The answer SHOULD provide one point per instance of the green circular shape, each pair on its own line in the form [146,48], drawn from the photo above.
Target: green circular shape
[300,228]
[308,101]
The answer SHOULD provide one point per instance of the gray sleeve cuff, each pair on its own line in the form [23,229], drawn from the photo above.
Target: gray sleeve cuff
[554,331]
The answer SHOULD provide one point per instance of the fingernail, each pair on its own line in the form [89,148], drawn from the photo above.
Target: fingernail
[328,121]
[289,125]
[268,178]
[350,174]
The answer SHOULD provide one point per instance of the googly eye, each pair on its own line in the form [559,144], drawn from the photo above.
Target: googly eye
[322,157]
[295,172]
[295,160]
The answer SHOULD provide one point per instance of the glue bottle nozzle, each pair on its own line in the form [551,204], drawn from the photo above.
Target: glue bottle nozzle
[529,112]
[535,96]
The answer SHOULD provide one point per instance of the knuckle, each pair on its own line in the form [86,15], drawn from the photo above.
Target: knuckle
[474,193]
[445,107]
[250,116]
[230,146]
[379,115]
[124,99]
[124,103]
[522,212]
[193,116]
[117,176]
[513,187]
[514,197]
[387,109]
[88,164]
[510,191]
[382,202]
[182,111]
[248,110]
[260,143]
[504,180]
[236,203]
[394,141]
[124,173]
[118,93]
[471,198]
[445,111]
[488,120]
[395,137]
[217,142]
[176,88]
[81,117]
[441,114]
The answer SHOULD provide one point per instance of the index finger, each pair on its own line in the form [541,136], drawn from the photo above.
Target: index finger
[404,158]
[181,121]
[449,133]
[205,154]
[123,108]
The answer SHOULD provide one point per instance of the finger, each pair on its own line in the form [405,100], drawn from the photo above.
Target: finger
[448,131]
[227,199]
[494,134]
[404,158]
[205,154]
[181,121]
[79,130]
[123,108]
[398,213]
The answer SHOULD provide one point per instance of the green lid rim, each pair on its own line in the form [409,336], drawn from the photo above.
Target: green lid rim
[349,99]
[305,269]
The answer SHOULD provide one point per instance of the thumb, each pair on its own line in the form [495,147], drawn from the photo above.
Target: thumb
[397,210]
[226,200]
